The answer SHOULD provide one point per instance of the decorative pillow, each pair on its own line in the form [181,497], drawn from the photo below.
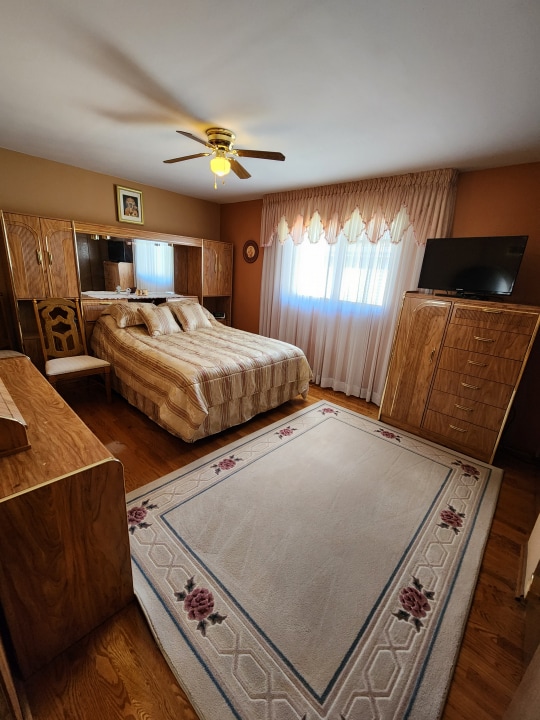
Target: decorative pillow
[126,314]
[158,320]
[190,315]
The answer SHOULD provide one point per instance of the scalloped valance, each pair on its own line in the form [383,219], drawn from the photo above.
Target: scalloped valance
[365,209]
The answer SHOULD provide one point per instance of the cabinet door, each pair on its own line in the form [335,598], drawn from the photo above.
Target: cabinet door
[23,235]
[217,268]
[417,344]
[59,256]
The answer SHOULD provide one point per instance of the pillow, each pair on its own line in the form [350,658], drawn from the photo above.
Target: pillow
[158,320]
[126,314]
[190,315]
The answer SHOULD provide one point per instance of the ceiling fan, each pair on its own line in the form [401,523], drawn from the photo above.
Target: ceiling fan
[220,144]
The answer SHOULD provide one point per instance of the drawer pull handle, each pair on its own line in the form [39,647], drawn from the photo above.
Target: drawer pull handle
[454,427]
[493,312]
[462,407]
[471,387]
[481,339]
[473,362]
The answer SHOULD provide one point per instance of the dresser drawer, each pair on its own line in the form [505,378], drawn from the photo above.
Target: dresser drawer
[474,388]
[486,340]
[495,318]
[470,411]
[461,434]
[497,369]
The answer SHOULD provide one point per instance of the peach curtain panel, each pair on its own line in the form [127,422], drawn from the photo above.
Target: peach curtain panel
[336,264]
[366,208]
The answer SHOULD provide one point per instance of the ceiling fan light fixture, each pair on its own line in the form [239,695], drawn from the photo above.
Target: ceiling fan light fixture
[220,165]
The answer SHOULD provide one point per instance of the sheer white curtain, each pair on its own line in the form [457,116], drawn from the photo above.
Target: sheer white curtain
[154,266]
[333,282]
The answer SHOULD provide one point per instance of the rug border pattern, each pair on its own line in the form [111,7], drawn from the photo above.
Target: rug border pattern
[349,699]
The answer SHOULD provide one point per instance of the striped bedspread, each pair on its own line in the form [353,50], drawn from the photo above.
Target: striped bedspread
[198,383]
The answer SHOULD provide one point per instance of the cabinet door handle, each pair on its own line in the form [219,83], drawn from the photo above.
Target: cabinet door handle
[477,337]
[462,407]
[39,257]
[47,249]
[432,355]
[473,362]
[471,387]
[455,427]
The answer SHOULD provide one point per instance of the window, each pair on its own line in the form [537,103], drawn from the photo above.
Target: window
[347,272]
[154,266]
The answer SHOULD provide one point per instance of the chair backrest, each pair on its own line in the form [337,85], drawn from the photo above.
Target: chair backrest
[59,322]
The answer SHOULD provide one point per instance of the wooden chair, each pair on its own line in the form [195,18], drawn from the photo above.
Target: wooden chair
[63,342]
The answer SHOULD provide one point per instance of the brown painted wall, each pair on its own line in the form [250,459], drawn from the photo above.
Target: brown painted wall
[241,222]
[504,201]
[41,187]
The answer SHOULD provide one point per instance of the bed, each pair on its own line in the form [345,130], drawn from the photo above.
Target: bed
[191,374]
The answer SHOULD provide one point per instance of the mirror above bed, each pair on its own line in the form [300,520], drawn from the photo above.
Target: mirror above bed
[107,259]
[96,253]
[157,265]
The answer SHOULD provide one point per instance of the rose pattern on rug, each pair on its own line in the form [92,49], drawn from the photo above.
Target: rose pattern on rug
[415,603]
[328,411]
[226,464]
[286,432]
[467,470]
[136,516]
[388,434]
[199,605]
[450,518]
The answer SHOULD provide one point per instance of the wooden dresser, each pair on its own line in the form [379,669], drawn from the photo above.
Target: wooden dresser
[455,368]
[64,543]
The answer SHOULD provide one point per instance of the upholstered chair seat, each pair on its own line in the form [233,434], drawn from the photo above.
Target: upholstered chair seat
[63,342]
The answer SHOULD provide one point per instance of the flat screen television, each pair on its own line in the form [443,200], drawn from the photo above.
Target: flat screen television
[472,266]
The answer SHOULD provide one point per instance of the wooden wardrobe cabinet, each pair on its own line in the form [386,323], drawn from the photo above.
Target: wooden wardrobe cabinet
[206,272]
[217,279]
[42,256]
[217,268]
[42,263]
[454,369]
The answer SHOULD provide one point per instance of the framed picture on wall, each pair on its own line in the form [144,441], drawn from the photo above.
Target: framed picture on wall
[129,205]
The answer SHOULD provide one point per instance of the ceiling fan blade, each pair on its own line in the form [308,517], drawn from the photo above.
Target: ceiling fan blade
[239,170]
[262,154]
[187,157]
[193,137]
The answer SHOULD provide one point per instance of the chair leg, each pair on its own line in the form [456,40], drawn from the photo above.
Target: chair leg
[107,377]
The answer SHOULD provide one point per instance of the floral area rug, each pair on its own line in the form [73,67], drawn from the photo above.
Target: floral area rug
[320,568]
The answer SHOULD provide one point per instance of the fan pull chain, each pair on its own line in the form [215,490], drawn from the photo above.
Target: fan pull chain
[215,181]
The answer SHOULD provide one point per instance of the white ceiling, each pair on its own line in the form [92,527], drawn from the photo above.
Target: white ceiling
[348,89]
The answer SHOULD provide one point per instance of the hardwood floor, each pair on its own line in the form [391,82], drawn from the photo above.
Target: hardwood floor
[118,671]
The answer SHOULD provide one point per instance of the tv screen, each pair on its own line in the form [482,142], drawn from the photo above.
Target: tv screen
[477,266]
